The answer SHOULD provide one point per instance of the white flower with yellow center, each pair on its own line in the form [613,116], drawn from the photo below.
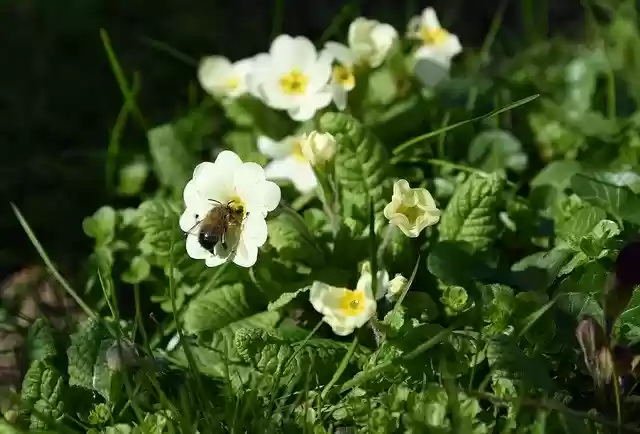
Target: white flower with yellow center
[343,79]
[221,78]
[244,189]
[289,162]
[292,77]
[437,43]
[342,308]
[371,41]
[411,209]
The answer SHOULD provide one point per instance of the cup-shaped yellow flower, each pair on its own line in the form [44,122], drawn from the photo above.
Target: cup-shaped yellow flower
[344,309]
[318,148]
[411,209]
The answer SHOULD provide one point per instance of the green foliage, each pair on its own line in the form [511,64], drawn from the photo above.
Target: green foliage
[471,214]
[172,162]
[42,394]
[41,344]
[362,164]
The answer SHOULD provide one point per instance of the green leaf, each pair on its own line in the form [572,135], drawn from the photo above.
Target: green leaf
[557,174]
[139,270]
[494,150]
[247,111]
[620,202]
[287,298]
[101,226]
[40,341]
[269,354]
[217,308]
[471,215]
[173,163]
[291,238]
[504,354]
[83,353]
[579,304]
[361,165]
[42,390]
[382,88]
[158,221]
[579,225]
[132,177]
[244,143]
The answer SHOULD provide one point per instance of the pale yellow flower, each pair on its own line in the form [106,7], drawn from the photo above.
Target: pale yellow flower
[411,209]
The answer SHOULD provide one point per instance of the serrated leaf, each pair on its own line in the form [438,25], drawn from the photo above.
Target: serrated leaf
[173,163]
[471,215]
[620,202]
[83,353]
[42,390]
[269,354]
[494,150]
[287,298]
[101,226]
[40,341]
[291,238]
[217,308]
[361,165]
[157,219]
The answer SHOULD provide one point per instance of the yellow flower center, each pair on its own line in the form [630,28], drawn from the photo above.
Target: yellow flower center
[411,212]
[294,83]
[343,76]
[352,302]
[433,35]
[232,82]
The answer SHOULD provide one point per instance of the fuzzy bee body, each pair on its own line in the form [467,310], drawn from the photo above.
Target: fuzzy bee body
[216,224]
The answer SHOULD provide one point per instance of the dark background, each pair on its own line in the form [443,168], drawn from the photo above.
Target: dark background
[59,99]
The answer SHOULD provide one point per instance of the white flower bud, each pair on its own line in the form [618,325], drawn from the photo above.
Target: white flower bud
[318,148]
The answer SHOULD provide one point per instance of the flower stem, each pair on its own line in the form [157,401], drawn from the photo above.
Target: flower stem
[327,196]
[386,240]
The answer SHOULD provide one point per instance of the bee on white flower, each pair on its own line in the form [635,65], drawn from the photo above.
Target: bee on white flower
[411,209]
[292,77]
[343,79]
[371,41]
[344,309]
[222,78]
[437,43]
[245,191]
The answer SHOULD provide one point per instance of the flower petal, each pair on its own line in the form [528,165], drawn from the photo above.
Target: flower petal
[271,195]
[304,179]
[214,261]
[308,107]
[212,71]
[340,52]
[195,249]
[339,96]
[283,169]
[274,149]
[254,230]
[245,255]
[430,18]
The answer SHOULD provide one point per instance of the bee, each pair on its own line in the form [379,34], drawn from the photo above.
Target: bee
[214,227]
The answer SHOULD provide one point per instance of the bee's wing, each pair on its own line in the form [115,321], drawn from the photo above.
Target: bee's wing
[190,231]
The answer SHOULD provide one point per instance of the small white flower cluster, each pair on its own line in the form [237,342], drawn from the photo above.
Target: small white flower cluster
[294,76]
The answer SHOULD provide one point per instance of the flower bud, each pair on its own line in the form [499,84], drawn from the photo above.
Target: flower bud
[318,148]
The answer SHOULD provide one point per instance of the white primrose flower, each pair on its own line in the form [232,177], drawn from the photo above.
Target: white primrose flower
[244,189]
[289,162]
[437,43]
[342,308]
[292,77]
[221,78]
[343,79]
[411,209]
[371,41]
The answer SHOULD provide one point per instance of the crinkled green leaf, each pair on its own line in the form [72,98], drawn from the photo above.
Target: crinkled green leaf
[362,164]
[291,238]
[217,308]
[595,242]
[287,298]
[42,390]
[472,213]
[172,161]
[83,353]
[494,150]
[101,226]
[620,202]
[269,353]
[139,270]
[40,341]
[579,225]
[158,221]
